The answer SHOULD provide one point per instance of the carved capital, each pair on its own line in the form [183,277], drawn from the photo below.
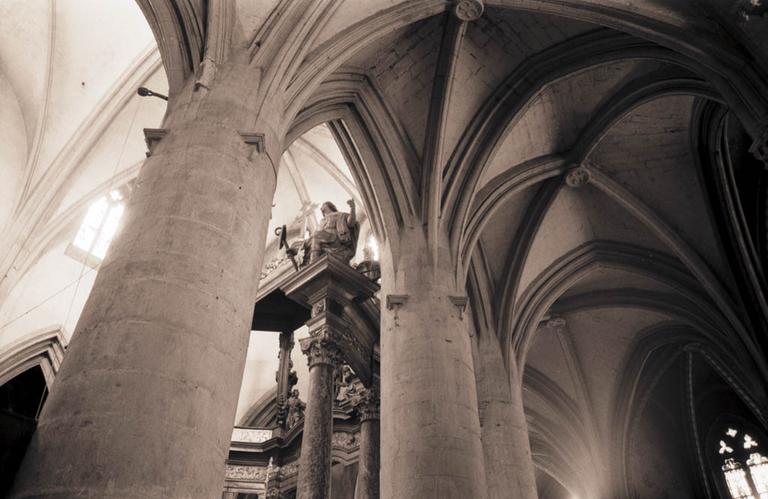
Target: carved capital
[578,176]
[368,404]
[320,349]
[468,10]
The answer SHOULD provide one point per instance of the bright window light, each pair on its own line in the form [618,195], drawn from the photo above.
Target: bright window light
[373,244]
[100,224]
[744,468]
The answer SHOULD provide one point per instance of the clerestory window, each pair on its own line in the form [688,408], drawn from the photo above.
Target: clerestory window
[743,463]
[98,228]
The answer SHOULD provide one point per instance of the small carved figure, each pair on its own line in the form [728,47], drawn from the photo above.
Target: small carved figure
[344,385]
[295,409]
[337,233]
[272,483]
[369,267]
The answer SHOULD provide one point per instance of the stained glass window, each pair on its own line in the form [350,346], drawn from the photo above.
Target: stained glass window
[744,467]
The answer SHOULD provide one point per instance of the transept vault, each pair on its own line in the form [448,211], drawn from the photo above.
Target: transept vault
[549,281]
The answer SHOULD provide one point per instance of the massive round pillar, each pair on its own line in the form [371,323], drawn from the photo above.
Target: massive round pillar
[144,403]
[430,431]
[508,462]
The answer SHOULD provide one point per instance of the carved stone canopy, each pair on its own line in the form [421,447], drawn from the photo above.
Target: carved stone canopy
[339,299]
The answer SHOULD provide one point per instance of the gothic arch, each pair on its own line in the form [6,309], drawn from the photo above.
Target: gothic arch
[44,348]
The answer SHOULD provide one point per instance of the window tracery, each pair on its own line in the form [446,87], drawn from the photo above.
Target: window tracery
[744,467]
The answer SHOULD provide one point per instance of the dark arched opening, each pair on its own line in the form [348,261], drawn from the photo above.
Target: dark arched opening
[21,399]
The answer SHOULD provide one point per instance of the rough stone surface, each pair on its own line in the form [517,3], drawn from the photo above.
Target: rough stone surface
[148,389]
[428,398]
[509,466]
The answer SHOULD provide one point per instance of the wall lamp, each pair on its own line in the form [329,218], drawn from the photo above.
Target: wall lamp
[145,92]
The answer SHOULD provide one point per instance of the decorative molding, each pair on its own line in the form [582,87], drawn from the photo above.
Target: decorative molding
[577,177]
[251,435]
[152,136]
[255,140]
[245,473]
[319,307]
[345,441]
[460,302]
[468,10]
[289,470]
[44,349]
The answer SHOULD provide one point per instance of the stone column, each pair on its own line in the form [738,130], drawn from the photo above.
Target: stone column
[367,485]
[144,403]
[315,462]
[284,376]
[430,430]
[509,467]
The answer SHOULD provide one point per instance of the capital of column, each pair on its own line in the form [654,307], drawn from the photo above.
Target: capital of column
[368,404]
[320,349]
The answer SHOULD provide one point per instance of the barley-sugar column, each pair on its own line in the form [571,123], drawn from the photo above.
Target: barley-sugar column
[145,400]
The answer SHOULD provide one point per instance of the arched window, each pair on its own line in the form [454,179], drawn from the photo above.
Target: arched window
[99,227]
[743,457]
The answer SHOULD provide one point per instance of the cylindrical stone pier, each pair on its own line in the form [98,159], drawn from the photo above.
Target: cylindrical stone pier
[314,480]
[367,485]
[430,430]
[509,466]
[144,403]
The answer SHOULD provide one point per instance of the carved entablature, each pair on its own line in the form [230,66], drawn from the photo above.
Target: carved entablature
[320,349]
[345,441]
[246,473]
[289,470]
